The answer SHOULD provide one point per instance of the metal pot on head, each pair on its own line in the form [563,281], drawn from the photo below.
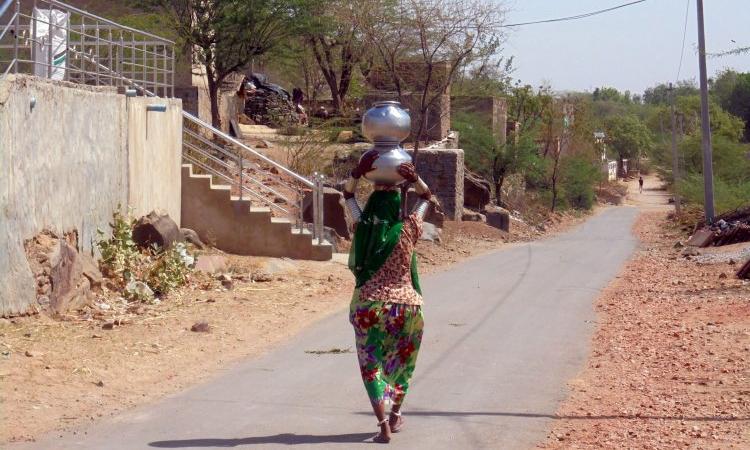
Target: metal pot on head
[386,125]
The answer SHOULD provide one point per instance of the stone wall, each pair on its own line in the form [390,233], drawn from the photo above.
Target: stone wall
[491,110]
[443,171]
[66,166]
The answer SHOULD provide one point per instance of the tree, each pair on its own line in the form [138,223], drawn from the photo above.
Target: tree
[739,102]
[628,136]
[439,36]
[659,94]
[224,35]
[492,159]
[336,40]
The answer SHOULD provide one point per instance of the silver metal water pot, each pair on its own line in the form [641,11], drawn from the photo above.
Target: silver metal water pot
[386,125]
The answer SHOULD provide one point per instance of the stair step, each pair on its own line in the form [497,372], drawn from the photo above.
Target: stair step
[260,209]
[280,220]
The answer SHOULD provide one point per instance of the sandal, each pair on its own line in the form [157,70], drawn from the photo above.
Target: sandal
[379,438]
[399,422]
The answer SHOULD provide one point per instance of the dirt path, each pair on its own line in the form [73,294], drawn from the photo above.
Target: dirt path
[670,361]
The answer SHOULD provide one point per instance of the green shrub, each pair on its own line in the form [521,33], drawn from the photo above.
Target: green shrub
[161,270]
[727,196]
[578,179]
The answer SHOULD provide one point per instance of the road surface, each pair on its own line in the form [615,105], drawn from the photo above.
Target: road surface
[504,333]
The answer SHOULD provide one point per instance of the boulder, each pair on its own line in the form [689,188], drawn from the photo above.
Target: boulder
[192,237]
[473,216]
[156,229]
[476,191]
[334,211]
[91,271]
[70,288]
[430,233]
[433,216]
[498,217]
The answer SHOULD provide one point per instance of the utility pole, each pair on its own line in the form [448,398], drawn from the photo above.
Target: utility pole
[708,169]
[675,161]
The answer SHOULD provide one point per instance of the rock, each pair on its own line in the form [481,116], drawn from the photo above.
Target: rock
[701,238]
[678,244]
[430,233]
[108,325]
[201,327]
[722,276]
[32,354]
[476,191]
[70,288]
[262,277]
[156,229]
[139,290]
[262,143]
[211,263]
[100,383]
[91,271]
[345,136]
[226,281]
[498,217]
[192,237]
[473,216]
[433,216]
[334,211]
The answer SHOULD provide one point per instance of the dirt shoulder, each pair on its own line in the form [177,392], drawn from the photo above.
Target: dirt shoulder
[59,375]
[670,361]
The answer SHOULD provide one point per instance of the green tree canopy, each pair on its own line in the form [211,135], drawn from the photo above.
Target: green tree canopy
[628,136]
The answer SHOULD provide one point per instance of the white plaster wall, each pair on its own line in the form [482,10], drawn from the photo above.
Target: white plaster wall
[63,167]
[154,156]
[69,162]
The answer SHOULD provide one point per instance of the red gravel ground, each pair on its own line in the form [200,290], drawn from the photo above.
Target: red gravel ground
[670,362]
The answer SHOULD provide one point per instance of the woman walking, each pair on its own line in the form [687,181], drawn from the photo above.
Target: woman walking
[386,308]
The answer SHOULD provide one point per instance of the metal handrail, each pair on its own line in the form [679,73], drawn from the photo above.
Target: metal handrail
[5,7]
[228,179]
[111,23]
[253,152]
[228,167]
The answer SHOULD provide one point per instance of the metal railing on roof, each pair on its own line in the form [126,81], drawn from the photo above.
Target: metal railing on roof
[58,41]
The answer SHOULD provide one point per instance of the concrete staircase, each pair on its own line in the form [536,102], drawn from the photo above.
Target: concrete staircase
[236,226]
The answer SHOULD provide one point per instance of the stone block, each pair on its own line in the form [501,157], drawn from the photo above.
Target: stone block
[334,211]
[498,217]
[443,171]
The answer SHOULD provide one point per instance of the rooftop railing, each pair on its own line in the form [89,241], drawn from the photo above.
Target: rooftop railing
[54,40]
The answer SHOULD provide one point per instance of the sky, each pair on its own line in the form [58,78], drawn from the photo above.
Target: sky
[632,48]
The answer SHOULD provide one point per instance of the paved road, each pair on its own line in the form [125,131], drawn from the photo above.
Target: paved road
[504,333]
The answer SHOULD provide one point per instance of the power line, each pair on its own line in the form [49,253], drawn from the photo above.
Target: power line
[576,17]
[684,34]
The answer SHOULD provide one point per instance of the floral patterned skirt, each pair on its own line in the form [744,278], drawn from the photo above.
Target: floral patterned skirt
[388,336]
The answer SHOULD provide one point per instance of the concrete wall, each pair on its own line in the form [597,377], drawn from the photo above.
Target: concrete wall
[65,165]
[154,156]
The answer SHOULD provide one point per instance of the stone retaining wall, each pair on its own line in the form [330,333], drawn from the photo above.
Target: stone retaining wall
[443,171]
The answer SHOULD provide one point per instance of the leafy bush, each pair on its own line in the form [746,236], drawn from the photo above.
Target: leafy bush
[170,269]
[578,179]
[727,196]
[120,255]
[160,270]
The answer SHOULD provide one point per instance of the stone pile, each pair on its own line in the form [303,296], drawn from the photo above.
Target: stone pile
[65,279]
[271,108]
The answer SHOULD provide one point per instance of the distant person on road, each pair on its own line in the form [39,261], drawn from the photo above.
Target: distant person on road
[386,308]
[640,184]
